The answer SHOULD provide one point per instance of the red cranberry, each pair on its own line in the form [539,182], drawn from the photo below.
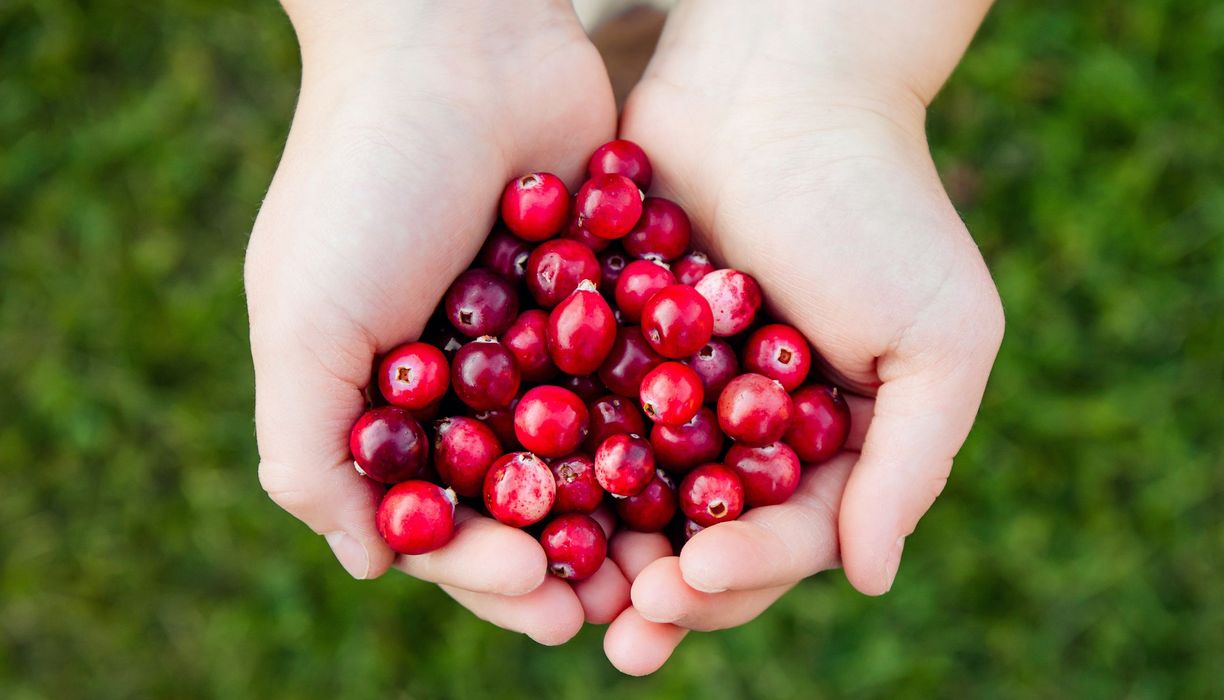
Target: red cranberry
[770,474]
[519,489]
[574,232]
[551,421]
[527,341]
[779,352]
[388,444]
[464,449]
[414,375]
[480,302]
[535,206]
[691,268]
[716,364]
[671,394]
[555,269]
[682,447]
[622,157]
[638,282]
[663,232]
[505,254]
[677,321]
[821,423]
[624,464]
[575,546]
[608,205]
[587,386]
[416,517]
[501,422]
[734,297]
[577,489]
[612,415]
[710,494]
[484,374]
[754,409]
[581,331]
[651,509]
[628,362]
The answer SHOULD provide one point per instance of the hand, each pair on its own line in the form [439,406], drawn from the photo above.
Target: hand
[411,120]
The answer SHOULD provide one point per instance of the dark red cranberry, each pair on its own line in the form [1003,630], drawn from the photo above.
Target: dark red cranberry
[581,331]
[480,302]
[575,546]
[671,394]
[779,352]
[628,362]
[612,415]
[416,517]
[622,157]
[716,364]
[535,206]
[501,422]
[575,232]
[442,335]
[551,421]
[463,451]
[505,254]
[682,447]
[612,263]
[637,283]
[388,444]
[519,489]
[427,414]
[414,375]
[577,489]
[691,268]
[527,341]
[608,205]
[624,464]
[662,233]
[734,297]
[555,269]
[587,386]
[652,508]
[484,374]
[677,321]
[770,474]
[821,423]
[691,528]
[711,494]
[754,409]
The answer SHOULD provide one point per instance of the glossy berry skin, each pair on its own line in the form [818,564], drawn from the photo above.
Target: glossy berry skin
[716,364]
[651,509]
[574,232]
[519,489]
[662,233]
[671,394]
[608,205]
[581,330]
[622,157]
[677,321]
[484,375]
[821,423]
[501,422]
[734,297]
[388,444]
[779,352]
[691,268]
[505,254]
[527,341]
[575,546]
[769,474]
[624,465]
[413,375]
[611,263]
[480,302]
[556,267]
[577,489]
[416,517]
[535,206]
[711,494]
[681,447]
[551,421]
[610,416]
[637,284]
[754,409]
[463,451]
[630,359]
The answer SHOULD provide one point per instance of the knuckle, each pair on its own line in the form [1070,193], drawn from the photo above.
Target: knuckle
[284,488]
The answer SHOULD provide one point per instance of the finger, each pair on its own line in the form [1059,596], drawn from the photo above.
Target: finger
[661,595]
[861,409]
[633,551]
[551,614]
[773,545]
[638,647]
[604,595]
[485,556]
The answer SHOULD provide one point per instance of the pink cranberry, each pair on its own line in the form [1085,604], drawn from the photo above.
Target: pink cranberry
[651,509]
[480,302]
[501,422]
[535,206]
[677,321]
[484,375]
[519,489]
[671,394]
[388,444]
[637,283]
[555,269]
[624,465]
[551,421]
[463,451]
[734,298]
[505,254]
[622,157]
[577,489]
[574,232]
[628,362]
[691,268]
[612,264]
[779,352]
[414,375]
[821,423]
[575,546]
[581,331]
[663,232]
[527,341]
[770,474]
[682,447]
[711,494]
[716,364]
[754,409]
[587,386]
[608,205]
[612,415]
[416,517]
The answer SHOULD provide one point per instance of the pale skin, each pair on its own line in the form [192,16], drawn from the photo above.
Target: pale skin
[798,149]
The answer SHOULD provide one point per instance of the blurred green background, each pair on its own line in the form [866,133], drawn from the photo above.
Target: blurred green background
[1077,551]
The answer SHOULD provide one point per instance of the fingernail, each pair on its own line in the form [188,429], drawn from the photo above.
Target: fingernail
[894,562]
[352,556]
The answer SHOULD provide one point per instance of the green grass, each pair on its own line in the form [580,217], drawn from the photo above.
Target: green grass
[1077,552]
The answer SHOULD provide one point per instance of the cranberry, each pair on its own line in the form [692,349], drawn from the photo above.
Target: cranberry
[427,414]
[416,517]
[442,335]
[638,282]
[663,232]
[671,394]
[414,375]
[651,509]
[501,422]
[821,424]
[480,302]
[555,269]
[682,447]
[610,416]
[716,364]
[577,489]
[691,268]
[734,297]
[691,528]
[581,331]
[628,362]
[770,474]
[677,321]
[612,264]
[535,206]
[624,464]
[575,232]
[575,546]
[779,352]
[754,409]
[464,449]
[388,444]
[608,205]
[622,157]
[587,386]
[527,341]
[484,374]
[505,254]
[710,494]
[519,489]
[551,421]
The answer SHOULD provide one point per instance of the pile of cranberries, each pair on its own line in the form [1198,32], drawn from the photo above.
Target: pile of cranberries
[589,356]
